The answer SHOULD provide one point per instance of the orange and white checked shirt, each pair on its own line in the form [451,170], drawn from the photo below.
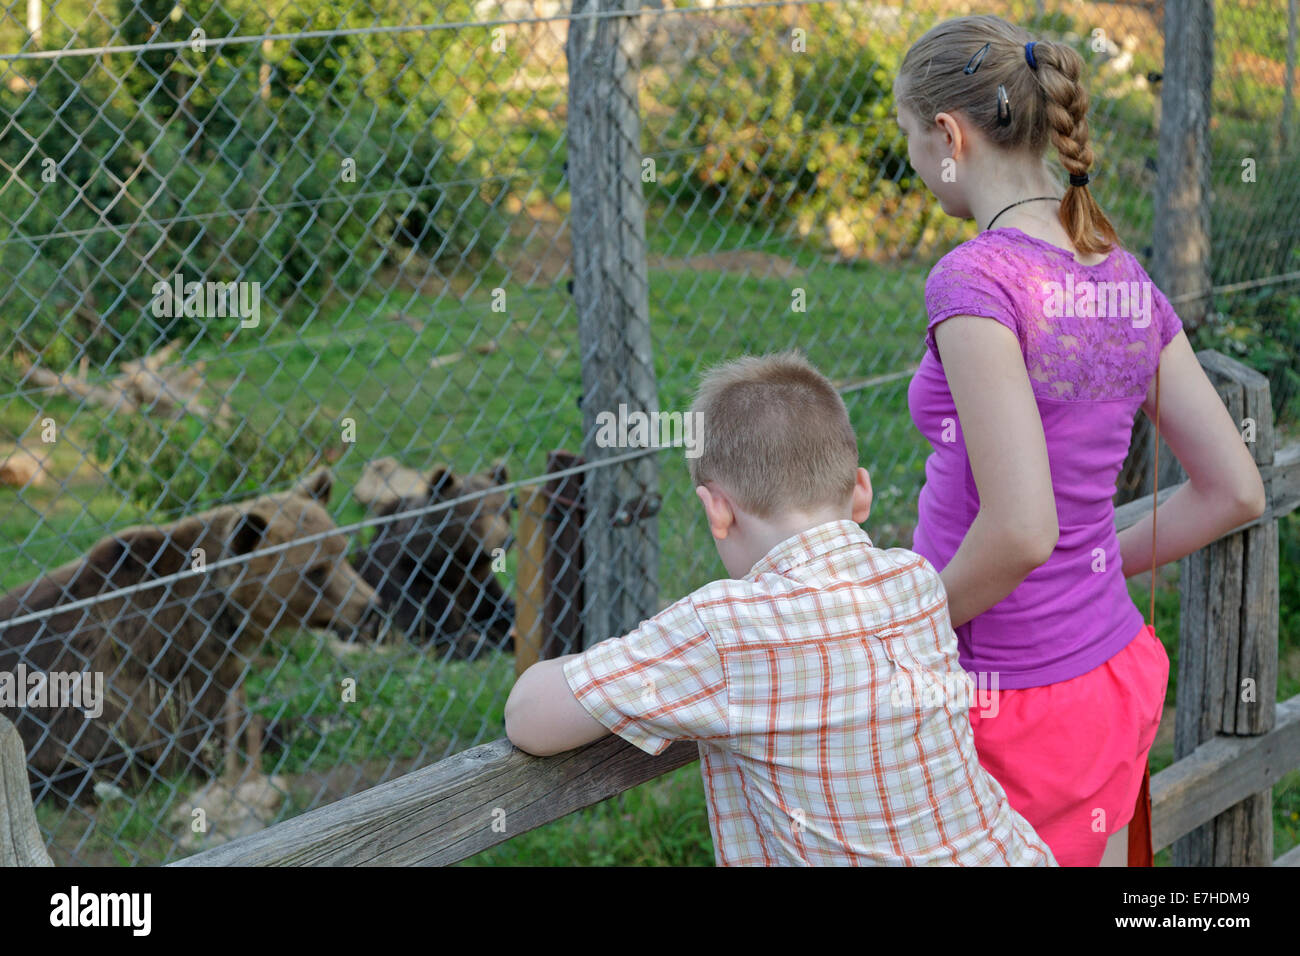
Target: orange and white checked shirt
[790,681]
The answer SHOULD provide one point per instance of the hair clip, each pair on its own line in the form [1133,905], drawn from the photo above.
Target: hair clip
[1004,106]
[976,60]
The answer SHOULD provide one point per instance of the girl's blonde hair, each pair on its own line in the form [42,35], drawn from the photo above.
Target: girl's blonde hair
[1049,101]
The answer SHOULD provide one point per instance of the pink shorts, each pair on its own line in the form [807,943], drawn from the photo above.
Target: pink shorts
[1071,755]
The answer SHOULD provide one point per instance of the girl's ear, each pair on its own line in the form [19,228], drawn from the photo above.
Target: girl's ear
[953,132]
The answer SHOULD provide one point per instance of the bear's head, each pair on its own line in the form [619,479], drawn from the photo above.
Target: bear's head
[307,584]
[434,570]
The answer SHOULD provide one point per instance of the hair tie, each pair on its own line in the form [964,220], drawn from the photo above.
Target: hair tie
[1078,179]
[1029,55]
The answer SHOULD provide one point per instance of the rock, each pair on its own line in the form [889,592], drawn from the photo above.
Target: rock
[229,814]
[106,792]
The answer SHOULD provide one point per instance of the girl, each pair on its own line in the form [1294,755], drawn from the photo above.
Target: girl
[1030,416]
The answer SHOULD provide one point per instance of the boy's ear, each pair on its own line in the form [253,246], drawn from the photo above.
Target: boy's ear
[717,510]
[862,496]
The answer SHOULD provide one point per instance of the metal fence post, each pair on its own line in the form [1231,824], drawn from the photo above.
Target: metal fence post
[610,290]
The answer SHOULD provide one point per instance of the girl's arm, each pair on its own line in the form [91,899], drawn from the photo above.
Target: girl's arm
[1016,528]
[1223,489]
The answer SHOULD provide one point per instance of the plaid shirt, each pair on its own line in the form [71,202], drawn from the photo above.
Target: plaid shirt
[806,684]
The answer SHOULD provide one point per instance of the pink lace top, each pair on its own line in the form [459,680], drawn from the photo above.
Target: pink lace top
[1091,337]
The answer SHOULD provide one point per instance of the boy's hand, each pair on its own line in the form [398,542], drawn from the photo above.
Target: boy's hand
[542,715]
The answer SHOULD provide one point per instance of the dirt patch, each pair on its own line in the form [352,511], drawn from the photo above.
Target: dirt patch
[743,261]
[541,250]
[1258,67]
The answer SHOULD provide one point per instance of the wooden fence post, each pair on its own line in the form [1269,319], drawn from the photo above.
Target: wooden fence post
[530,577]
[20,837]
[611,295]
[1181,233]
[549,600]
[1227,658]
[562,617]
[1180,239]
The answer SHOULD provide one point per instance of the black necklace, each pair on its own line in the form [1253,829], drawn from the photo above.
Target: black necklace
[1021,203]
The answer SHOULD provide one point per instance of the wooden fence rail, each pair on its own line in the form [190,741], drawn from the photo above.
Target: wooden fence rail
[1212,803]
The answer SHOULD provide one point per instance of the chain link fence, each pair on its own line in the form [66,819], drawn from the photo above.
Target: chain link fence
[290,327]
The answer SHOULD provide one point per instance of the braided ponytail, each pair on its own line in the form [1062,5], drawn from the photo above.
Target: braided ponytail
[1047,101]
[1059,70]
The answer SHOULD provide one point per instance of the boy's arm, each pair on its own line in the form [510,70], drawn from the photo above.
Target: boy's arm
[542,715]
[662,682]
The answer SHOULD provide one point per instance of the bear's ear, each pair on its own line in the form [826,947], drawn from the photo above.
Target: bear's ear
[387,507]
[135,554]
[316,486]
[248,532]
[443,483]
[499,474]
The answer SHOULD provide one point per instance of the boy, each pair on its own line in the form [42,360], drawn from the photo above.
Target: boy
[789,674]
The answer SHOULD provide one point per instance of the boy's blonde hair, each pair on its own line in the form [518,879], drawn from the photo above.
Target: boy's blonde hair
[777,436]
[1047,102]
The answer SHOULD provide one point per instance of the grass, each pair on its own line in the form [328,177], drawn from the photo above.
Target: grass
[118,831]
[404,703]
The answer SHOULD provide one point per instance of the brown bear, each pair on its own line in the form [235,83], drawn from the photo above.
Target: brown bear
[434,571]
[171,658]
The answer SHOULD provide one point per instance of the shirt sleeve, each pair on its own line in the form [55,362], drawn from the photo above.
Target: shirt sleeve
[961,283]
[1170,323]
[660,683]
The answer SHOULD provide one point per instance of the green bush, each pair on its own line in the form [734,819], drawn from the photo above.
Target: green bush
[1262,329]
[1253,219]
[802,139]
[175,162]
